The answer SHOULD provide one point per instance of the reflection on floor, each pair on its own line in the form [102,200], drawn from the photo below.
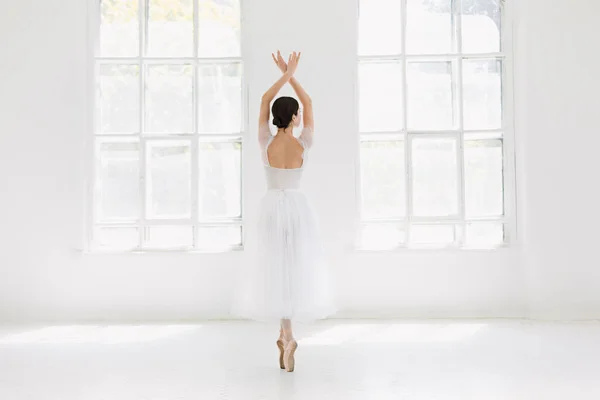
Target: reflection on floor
[376,360]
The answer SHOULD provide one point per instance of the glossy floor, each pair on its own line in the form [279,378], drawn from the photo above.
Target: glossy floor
[376,360]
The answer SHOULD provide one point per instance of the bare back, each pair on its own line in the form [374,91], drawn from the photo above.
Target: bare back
[285,152]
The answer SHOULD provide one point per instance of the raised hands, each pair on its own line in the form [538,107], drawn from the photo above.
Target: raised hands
[292,64]
[288,70]
[290,67]
[280,62]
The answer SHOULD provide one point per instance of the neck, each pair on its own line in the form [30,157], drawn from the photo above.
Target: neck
[286,131]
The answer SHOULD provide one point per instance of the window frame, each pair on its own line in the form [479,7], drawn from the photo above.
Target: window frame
[506,134]
[93,60]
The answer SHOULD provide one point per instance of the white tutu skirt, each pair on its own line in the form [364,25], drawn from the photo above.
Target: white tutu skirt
[290,278]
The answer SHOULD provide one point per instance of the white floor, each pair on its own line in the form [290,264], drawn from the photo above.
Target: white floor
[336,360]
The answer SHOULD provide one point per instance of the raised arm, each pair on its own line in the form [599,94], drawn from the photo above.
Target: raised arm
[307,116]
[264,133]
[268,97]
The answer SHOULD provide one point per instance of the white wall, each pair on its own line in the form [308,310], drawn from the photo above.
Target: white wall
[43,275]
[558,126]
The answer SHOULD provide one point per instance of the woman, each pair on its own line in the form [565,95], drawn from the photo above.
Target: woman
[290,281]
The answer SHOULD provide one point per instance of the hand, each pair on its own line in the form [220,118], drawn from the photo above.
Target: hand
[281,64]
[292,63]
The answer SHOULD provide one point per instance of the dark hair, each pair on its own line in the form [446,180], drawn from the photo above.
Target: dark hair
[284,108]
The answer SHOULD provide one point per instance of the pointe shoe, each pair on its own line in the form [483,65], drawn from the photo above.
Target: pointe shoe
[281,345]
[288,355]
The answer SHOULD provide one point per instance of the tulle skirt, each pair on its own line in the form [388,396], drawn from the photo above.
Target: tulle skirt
[290,278]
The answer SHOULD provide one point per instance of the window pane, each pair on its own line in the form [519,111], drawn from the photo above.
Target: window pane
[219,28]
[484,191]
[119,28]
[430,97]
[382,179]
[170,28]
[219,180]
[379,27]
[380,86]
[483,135]
[429,27]
[481,26]
[482,82]
[116,238]
[169,179]
[169,104]
[381,236]
[219,238]
[118,180]
[220,98]
[432,234]
[435,181]
[119,98]
[484,235]
[161,237]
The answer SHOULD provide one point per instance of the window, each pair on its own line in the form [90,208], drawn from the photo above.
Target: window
[168,126]
[433,122]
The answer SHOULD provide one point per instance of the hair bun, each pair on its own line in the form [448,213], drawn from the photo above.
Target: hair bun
[284,109]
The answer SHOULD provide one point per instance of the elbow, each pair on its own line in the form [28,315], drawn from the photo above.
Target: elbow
[307,101]
[265,99]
